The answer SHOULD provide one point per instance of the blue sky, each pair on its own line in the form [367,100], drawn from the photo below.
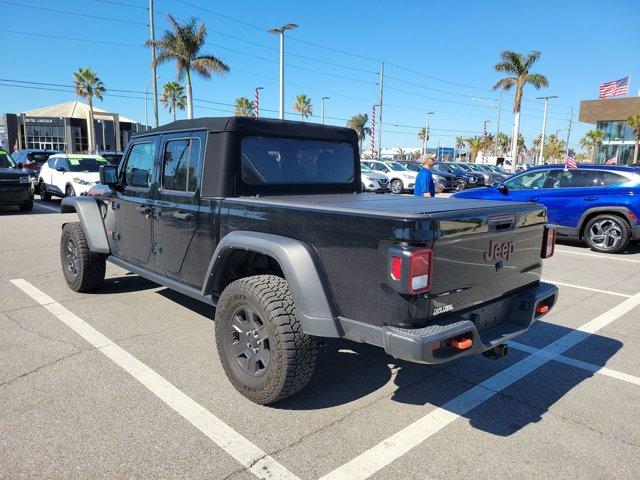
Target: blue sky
[439,55]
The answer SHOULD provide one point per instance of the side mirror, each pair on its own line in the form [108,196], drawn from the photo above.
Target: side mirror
[61,169]
[20,166]
[109,175]
[502,188]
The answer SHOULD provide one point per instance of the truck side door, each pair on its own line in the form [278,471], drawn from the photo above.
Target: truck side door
[134,202]
[178,198]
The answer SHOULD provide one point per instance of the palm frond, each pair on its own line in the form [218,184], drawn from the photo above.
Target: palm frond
[537,80]
[505,83]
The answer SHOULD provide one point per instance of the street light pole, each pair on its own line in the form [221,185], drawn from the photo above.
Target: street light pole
[426,134]
[280,31]
[153,64]
[322,115]
[498,122]
[544,126]
[146,97]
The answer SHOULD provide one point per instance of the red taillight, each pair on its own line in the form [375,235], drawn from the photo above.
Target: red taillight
[410,269]
[542,309]
[420,269]
[396,268]
[548,242]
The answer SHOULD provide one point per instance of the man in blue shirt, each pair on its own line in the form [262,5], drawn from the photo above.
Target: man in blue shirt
[425,186]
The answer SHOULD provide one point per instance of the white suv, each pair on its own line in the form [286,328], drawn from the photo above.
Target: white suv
[400,178]
[69,175]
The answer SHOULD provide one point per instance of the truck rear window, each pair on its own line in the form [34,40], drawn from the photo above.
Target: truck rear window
[267,160]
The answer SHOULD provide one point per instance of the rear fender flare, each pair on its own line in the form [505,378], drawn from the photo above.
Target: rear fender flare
[90,216]
[313,306]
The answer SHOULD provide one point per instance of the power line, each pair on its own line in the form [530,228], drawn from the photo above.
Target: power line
[67,12]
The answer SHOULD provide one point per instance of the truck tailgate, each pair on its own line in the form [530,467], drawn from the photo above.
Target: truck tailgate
[485,253]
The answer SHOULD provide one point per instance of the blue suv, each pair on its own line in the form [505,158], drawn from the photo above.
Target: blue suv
[599,204]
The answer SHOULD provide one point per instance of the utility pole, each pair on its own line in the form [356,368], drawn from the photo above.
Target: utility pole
[426,134]
[569,130]
[153,64]
[280,31]
[544,126]
[380,111]
[322,115]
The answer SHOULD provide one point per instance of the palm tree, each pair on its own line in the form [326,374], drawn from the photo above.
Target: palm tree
[173,97]
[592,140]
[359,123]
[400,153]
[503,142]
[183,45]
[303,106]
[517,66]
[634,124]
[244,107]
[475,144]
[87,85]
[422,133]
[460,143]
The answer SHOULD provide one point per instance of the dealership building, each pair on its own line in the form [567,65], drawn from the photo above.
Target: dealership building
[609,115]
[64,127]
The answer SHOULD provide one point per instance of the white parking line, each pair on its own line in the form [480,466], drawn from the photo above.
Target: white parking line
[601,257]
[392,448]
[580,287]
[249,455]
[625,377]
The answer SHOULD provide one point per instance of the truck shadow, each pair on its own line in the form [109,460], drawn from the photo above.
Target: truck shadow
[348,371]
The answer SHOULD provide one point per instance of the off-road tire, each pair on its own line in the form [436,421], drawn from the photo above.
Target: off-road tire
[26,206]
[90,265]
[292,352]
[396,186]
[621,225]
[42,190]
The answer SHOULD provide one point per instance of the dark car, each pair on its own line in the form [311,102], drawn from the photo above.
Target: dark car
[449,181]
[599,204]
[471,179]
[32,160]
[491,176]
[266,220]
[15,185]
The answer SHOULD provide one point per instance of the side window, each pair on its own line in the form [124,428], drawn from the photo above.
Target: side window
[530,180]
[610,178]
[577,179]
[180,165]
[137,172]
[52,163]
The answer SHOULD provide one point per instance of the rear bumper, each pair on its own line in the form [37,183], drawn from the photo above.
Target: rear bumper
[512,315]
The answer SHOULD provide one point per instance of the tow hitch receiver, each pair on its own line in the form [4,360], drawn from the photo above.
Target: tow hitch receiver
[497,352]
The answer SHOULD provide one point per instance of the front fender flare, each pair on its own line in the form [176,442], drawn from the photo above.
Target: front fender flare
[313,306]
[90,217]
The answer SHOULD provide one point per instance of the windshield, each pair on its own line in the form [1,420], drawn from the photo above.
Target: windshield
[6,161]
[396,167]
[267,160]
[85,164]
[464,167]
[445,168]
[413,166]
[38,157]
[365,169]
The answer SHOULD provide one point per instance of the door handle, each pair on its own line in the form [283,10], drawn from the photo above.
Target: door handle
[590,199]
[533,200]
[185,217]
[144,209]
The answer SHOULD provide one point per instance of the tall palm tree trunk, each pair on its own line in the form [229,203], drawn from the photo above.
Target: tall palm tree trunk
[187,77]
[174,110]
[515,138]
[91,137]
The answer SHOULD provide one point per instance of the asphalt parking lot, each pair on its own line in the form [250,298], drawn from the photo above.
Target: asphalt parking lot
[126,383]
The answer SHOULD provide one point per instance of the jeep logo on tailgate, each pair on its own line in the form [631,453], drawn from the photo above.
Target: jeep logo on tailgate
[498,250]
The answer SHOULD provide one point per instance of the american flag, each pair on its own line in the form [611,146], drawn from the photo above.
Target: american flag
[570,162]
[613,160]
[615,88]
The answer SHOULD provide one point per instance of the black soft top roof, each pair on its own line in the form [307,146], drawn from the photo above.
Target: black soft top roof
[259,126]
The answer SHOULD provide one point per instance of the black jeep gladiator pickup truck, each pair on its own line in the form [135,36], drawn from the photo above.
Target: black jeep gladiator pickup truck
[265,219]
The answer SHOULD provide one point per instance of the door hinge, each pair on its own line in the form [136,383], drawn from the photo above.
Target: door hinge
[115,235]
[155,248]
